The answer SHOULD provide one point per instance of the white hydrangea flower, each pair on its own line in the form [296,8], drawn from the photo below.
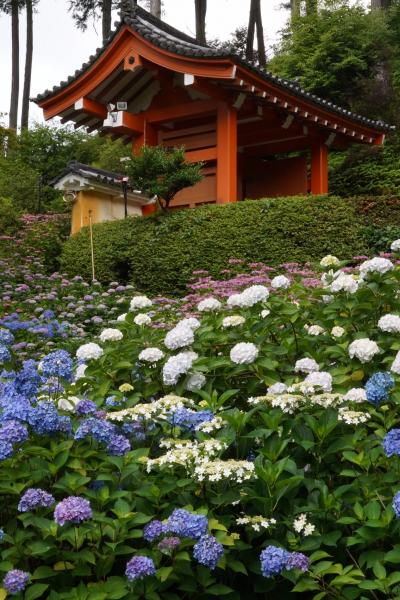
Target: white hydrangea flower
[191,322]
[111,335]
[355,395]
[276,388]
[264,313]
[209,304]
[352,417]
[80,372]
[321,379]
[280,282]
[389,323]
[375,265]
[244,353]
[89,351]
[249,297]
[233,321]
[122,317]
[306,365]
[329,261]
[395,368]
[326,298]
[314,329]
[68,403]
[138,302]
[142,319]
[151,355]
[179,337]
[344,283]
[337,331]
[301,525]
[178,365]
[195,382]
[364,349]
[395,246]
[224,470]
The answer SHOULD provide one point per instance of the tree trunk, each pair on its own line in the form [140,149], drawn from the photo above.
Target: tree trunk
[380,4]
[13,118]
[155,8]
[201,10]
[106,9]
[260,37]
[251,30]
[294,9]
[28,65]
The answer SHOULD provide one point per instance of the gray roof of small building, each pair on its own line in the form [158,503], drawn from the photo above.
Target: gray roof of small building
[168,38]
[98,175]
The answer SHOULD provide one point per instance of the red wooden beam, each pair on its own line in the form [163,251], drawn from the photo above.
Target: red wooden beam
[91,107]
[180,111]
[204,155]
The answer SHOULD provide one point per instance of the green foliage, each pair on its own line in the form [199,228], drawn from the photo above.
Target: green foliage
[162,172]
[9,217]
[337,52]
[158,253]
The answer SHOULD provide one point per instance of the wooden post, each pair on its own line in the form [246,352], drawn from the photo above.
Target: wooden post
[319,169]
[226,153]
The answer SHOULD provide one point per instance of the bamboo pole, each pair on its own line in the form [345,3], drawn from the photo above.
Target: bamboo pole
[91,244]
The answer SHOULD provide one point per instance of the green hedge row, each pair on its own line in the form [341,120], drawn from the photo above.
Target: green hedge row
[158,253]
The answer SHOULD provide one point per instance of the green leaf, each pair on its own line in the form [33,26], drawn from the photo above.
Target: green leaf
[164,573]
[219,590]
[35,591]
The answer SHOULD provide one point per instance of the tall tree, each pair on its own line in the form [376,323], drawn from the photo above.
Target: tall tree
[13,116]
[106,9]
[28,64]
[311,7]
[380,4]
[255,21]
[294,9]
[201,11]
[155,8]
[84,10]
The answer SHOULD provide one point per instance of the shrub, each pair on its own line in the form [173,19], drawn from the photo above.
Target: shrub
[158,253]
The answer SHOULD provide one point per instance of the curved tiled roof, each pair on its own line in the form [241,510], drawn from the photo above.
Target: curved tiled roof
[168,38]
[100,175]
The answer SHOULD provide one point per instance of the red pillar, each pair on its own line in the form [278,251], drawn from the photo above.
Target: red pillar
[226,153]
[319,169]
[149,137]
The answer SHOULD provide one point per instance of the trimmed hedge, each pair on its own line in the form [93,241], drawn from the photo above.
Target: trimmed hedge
[158,253]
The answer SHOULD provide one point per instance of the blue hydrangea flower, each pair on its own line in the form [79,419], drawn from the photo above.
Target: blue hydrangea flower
[6,337]
[208,551]
[396,504]
[18,409]
[44,418]
[273,560]
[73,509]
[139,567]
[297,560]
[6,450]
[15,581]
[1,535]
[378,386]
[189,419]
[35,498]
[57,364]
[186,524]
[118,445]
[5,354]
[153,530]
[13,432]
[28,379]
[97,485]
[86,407]
[98,429]
[391,442]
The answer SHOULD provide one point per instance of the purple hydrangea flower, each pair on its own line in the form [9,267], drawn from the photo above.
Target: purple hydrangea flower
[391,442]
[208,551]
[100,430]
[15,581]
[35,498]
[118,445]
[297,560]
[86,407]
[73,509]
[396,504]
[13,432]
[168,544]
[273,560]
[153,530]
[6,450]
[186,524]
[139,567]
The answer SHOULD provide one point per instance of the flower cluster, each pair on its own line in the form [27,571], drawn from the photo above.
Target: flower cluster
[35,498]
[73,509]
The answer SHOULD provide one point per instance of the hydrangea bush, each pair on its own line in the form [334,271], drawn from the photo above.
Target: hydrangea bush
[248,450]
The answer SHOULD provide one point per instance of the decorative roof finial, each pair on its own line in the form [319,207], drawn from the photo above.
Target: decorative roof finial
[127,8]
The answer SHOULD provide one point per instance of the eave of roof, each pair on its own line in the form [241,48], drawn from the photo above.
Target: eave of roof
[168,38]
[99,175]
